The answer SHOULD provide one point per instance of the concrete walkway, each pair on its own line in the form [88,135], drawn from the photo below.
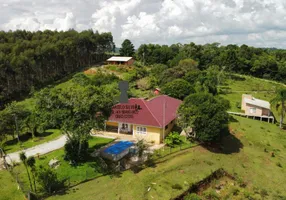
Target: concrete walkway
[39,149]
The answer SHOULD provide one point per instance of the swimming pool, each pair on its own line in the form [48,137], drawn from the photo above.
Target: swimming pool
[117,151]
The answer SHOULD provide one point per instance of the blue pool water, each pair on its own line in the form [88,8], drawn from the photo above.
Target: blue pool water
[118,147]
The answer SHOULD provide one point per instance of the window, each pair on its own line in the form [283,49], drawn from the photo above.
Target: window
[252,110]
[141,130]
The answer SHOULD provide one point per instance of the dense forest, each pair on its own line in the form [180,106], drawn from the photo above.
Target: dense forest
[34,59]
[258,62]
[31,60]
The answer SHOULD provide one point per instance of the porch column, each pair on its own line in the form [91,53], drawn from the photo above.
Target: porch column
[268,119]
[118,129]
[132,130]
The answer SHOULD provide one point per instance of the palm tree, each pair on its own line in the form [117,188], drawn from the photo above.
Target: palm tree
[279,103]
[23,158]
[31,163]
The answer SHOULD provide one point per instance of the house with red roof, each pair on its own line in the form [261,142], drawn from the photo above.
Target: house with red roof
[150,120]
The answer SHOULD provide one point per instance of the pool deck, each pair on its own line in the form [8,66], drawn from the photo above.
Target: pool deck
[120,137]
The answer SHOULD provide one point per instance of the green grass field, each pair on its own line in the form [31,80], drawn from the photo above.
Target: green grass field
[247,155]
[8,187]
[87,170]
[12,145]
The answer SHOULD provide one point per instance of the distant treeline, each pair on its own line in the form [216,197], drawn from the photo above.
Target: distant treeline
[35,59]
[258,62]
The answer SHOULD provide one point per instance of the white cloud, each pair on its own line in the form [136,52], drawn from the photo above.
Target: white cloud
[257,23]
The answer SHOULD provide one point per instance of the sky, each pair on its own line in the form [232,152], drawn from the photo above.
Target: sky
[259,23]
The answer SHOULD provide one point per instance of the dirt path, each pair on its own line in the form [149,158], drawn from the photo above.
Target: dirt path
[39,149]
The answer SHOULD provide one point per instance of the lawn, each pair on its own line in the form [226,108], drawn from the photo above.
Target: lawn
[76,174]
[247,155]
[8,187]
[12,145]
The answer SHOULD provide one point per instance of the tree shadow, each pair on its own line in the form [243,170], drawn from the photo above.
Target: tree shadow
[229,144]
[23,138]
[232,119]
[236,77]
[97,146]
[44,134]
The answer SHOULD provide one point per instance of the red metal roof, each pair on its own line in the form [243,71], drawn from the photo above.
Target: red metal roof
[151,112]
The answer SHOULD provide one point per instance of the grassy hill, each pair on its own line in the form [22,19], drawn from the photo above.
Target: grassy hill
[247,155]
[255,153]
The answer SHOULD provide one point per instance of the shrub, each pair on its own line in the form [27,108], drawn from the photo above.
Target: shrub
[48,180]
[263,193]
[248,195]
[192,196]
[101,78]
[173,139]
[279,164]
[141,72]
[177,186]
[211,195]
[130,76]
[144,84]
[234,190]
[142,146]
[81,79]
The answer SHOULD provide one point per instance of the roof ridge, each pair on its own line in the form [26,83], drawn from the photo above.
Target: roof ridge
[151,112]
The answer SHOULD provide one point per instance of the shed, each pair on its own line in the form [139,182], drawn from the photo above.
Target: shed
[119,60]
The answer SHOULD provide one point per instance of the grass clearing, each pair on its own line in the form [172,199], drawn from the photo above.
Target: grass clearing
[77,174]
[12,145]
[9,188]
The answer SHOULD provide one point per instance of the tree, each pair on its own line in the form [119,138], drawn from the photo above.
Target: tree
[23,158]
[48,180]
[35,59]
[178,88]
[206,114]
[127,48]
[33,122]
[279,103]
[187,65]
[15,116]
[74,111]
[31,163]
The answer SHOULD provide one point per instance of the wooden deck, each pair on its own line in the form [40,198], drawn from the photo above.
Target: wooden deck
[269,118]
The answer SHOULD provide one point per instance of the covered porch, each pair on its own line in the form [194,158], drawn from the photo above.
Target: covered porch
[119,128]
[113,135]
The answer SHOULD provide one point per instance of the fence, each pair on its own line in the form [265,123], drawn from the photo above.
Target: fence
[165,151]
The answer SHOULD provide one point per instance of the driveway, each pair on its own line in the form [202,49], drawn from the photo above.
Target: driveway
[39,149]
